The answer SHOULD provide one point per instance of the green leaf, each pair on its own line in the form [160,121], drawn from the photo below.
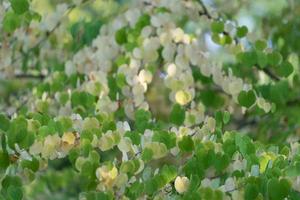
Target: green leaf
[194,183]
[279,92]
[27,141]
[92,195]
[228,39]
[130,46]
[219,118]
[147,154]
[108,125]
[63,98]
[192,195]
[198,76]
[262,59]
[151,186]
[45,130]
[169,173]
[194,167]
[134,136]
[84,32]
[4,160]
[226,117]
[216,38]
[244,144]
[260,45]
[143,21]
[186,144]
[241,31]
[294,195]
[251,192]
[278,189]
[128,167]
[121,80]
[222,118]
[4,122]
[248,59]
[86,147]
[34,16]
[293,170]
[208,193]
[221,39]
[19,6]
[177,115]
[274,58]
[285,69]
[11,181]
[162,10]
[82,99]
[11,22]
[167,138]
[135,189]
[121,59]
[247,99]
[113,87]
[142,120]
[94,157]
[15,193]
[32,165]
[132,36]
[17,131]
[87,169]
[221,162]
[229,147]
[73,155]
[121,36]
[217,27]
[205,156]
[211,99]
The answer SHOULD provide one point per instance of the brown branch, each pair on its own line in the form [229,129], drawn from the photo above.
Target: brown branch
[30,76]
[243,123]
[205,11]
[270,74]
[294,102]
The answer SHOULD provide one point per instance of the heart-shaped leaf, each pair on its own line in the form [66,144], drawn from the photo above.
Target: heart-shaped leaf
[246,99]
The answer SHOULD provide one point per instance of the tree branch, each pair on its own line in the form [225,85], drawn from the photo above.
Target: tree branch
[30,76]
[205,11]
[270,74]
